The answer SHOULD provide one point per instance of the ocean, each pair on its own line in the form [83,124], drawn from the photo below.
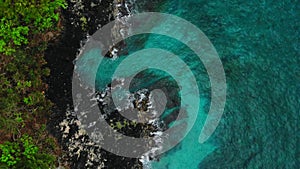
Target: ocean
[259,46]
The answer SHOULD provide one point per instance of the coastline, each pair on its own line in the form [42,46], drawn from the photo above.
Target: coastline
[43,124]
[80,151]
[82,19]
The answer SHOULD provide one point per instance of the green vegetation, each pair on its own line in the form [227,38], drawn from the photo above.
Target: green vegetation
[22,18]
[22,91]
[24,154]
[24,24]
[119,125]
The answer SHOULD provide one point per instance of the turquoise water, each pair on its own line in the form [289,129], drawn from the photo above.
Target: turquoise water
[189,151]
[259,45]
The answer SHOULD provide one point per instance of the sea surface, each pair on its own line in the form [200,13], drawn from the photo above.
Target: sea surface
[259,45]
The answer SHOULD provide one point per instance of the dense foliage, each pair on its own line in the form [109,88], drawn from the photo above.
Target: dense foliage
[20,18]
[24,24]
[24,154]
[21,90]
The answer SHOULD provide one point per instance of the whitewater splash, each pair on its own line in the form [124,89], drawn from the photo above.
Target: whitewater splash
[143,101]
[146,158]
[123,10]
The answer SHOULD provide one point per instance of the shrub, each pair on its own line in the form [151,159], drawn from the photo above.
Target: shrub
[22,91]
[24,154]
[19,17]
[23,105]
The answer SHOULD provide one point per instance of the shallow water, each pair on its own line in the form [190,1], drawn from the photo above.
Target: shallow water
[258,43]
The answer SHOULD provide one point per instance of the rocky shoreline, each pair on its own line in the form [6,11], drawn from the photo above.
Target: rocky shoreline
[81,18]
